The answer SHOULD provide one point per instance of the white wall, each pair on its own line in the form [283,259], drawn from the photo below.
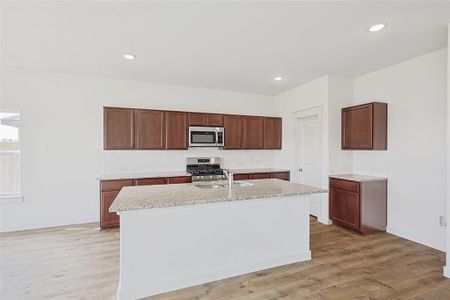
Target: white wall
[61,139]
[416,156]
[447,267]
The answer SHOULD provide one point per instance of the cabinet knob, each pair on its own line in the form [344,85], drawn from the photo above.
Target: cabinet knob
[300,170]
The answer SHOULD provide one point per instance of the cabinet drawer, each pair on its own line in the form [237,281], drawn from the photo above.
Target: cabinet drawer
[260,176]
[281,175]
[346,185]
[150,181]
[174,180]
[241,177]
[114,185]
[344,207]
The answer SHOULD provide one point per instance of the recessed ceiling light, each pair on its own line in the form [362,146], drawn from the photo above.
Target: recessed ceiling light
[129,56]
[377,27]
[278,78]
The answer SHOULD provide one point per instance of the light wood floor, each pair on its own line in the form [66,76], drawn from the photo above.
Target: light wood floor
[81,262]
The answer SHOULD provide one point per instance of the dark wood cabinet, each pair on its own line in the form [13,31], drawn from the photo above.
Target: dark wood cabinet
[109,190]
[282,175]
[204,119]
[364,127]
[252,132]
[146,129]
[260,176]
[272,133]
[197,119]
[214,120]
[118,128]
[108,219]
[358,206]
[233,132]
[150,129]
[182,179]
[176,130]
[150,181]
[241,176]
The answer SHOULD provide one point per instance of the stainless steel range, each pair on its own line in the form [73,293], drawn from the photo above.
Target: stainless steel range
[205,168]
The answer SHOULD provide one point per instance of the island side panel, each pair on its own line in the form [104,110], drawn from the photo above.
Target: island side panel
[166,249]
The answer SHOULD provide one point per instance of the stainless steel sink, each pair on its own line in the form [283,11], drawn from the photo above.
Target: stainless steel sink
[215,184]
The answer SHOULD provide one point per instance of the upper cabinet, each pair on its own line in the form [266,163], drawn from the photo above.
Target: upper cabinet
[118,128]
[202,119]
[364,127]
[147,129]
[233,132]
[252,132]
[176,130]
[272,133]
[150,129]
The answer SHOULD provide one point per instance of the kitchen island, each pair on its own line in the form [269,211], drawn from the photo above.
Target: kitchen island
[176,236]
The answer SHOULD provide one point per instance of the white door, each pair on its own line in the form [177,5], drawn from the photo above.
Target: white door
[309,157]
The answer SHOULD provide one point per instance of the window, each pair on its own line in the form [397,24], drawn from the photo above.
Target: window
[9,155]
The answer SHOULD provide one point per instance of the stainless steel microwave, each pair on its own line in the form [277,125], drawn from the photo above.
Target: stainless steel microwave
[206,136]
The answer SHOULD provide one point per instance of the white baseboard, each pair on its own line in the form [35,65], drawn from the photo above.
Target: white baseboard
[447,271]
[418,239]
[179,283]
[325,221]
[41,225]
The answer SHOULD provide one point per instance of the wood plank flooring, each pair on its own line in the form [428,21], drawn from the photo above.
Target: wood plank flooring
[81,262]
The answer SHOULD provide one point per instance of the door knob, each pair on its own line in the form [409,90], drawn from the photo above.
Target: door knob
[300,170]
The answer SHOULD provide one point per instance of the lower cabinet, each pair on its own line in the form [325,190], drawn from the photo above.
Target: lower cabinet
[183,179]
[109,189]
[260,176]
[358,206]
[108,219]
[279,175]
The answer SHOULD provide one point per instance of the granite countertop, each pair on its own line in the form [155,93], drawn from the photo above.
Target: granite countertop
[158,196]
[258,170]
[115,176]
[358,177]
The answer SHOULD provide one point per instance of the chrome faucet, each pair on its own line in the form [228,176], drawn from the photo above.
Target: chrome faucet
[229,176]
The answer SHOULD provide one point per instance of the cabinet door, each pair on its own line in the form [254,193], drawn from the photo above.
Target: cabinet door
[272,133]
[108,219]
[176,130]
[233,132]
[150,129]
[344,207]
[214,120]
[183,179]
[260,176]
[150,181]
[241,176]
[357,127]
[282,175]
[118,128]
[197,119]
[253,132]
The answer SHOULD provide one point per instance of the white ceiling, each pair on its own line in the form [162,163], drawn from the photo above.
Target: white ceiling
[237,46]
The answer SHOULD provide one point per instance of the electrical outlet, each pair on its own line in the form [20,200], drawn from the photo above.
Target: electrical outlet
[443,221]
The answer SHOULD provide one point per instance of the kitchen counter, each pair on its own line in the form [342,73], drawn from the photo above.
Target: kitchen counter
[158,196]
[358,177]
[117,176]
[258,170]
[139,175]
